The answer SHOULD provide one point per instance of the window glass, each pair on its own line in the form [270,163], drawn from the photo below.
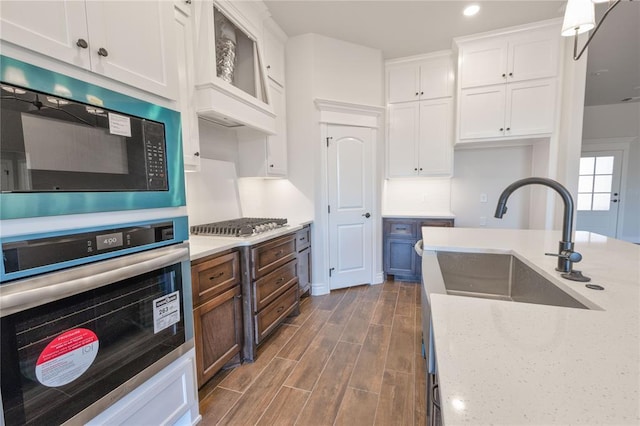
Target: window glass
[604,165]
[584,201]
[602,183]
[601,201]
[587,165]
[585,183]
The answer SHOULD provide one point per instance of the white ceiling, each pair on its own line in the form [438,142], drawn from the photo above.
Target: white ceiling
[405,28]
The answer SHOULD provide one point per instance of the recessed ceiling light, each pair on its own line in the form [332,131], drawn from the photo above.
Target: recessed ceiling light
[471,10]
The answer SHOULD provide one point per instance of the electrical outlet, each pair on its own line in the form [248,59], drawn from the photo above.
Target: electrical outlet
[483,198]
[483,221]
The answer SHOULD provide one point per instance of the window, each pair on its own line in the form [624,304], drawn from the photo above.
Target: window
[594,184]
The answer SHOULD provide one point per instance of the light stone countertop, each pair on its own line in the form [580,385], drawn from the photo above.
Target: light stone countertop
[201,246]
[510,363]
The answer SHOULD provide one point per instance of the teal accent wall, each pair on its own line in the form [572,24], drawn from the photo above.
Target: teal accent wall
[15,205]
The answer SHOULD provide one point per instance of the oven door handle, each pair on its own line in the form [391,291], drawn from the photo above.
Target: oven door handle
[36,291]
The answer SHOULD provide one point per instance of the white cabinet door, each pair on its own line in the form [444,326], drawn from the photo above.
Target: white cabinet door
[404,126]
[530,107]
[436,78]
[137,41]
[483,62]
[482,112]
[274,56]
[533,55]
[186,90]
[436,144]
[52,28]
[277,144]
[403,83]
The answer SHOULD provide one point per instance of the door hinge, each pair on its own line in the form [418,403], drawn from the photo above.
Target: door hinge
[328,139]
[328,209]
[331,271]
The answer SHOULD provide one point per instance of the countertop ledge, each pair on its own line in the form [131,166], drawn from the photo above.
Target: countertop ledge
[518,363]
[203,246]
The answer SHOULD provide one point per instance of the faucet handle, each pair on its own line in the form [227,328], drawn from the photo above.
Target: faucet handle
[571,256]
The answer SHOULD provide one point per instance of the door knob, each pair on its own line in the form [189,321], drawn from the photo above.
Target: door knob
[103,52]
[82,43]
[614,201]
[367,215]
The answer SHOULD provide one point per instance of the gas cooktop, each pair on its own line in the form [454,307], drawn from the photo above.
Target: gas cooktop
[243,227]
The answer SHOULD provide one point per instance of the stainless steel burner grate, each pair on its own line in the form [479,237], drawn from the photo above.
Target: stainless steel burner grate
[242,227]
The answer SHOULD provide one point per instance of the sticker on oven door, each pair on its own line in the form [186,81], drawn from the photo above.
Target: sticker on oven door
[67,357]
[166,311]
[119,125]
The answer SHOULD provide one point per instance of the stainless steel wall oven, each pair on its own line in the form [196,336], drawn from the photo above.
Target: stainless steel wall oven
[76,339]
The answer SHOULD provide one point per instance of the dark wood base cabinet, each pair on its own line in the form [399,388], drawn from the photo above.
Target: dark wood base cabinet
[303,247]
[269,289]
[400,236]
[217,314]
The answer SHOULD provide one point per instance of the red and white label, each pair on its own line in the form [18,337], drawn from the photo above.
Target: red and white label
[67,357]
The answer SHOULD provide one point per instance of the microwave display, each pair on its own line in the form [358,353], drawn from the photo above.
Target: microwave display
[49,144]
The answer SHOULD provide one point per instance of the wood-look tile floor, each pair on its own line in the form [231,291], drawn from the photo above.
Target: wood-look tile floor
[352,357]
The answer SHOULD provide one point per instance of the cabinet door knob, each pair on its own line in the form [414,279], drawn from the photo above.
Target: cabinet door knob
[271,165]
[82,43]
[501,129]
[504,75]
[103,52]
[196,154]
[510,74]
[420,168]
[268,67]
[415,169]
[367,215]
[508,128]
[187,1]
[422,93]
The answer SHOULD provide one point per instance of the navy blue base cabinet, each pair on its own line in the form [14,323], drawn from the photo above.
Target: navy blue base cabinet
[401,262]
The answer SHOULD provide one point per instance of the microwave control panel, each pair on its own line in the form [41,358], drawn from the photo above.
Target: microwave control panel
[155,155]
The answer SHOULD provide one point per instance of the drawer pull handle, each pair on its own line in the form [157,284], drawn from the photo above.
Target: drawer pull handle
[280,280]
[279,252]
[217,276]
[280,309]
[302,238]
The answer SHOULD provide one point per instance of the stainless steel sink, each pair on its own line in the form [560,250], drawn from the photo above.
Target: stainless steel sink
[501,277]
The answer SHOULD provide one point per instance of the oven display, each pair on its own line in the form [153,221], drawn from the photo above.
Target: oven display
[108,241]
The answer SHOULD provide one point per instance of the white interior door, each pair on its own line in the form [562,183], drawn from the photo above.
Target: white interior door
[599,192]
[350,182]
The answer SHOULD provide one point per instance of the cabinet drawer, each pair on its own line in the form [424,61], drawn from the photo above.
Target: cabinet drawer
[275,312]
[303,238]
[400,228]
[214,276]
[273,284]
[270,255]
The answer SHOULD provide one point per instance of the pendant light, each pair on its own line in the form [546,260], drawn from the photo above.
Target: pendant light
[579,17]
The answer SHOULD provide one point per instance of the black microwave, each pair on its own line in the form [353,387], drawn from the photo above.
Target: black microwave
[70,147]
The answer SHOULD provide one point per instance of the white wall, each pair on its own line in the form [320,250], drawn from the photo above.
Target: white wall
[419,196]
[319,67]
[488,171]
[620,121]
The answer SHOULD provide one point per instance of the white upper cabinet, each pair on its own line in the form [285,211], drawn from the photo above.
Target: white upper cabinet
[106,37]
[186,87]
[419,78]
[420,138]
[518,56]
[261,155]
[508,83]
[274,51]
[420,116]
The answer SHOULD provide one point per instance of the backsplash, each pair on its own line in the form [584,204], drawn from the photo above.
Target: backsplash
[423,196]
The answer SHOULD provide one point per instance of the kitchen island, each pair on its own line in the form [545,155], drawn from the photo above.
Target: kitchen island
[502,362]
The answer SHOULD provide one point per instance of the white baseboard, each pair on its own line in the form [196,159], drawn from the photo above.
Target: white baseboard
[378,278]
[318,289]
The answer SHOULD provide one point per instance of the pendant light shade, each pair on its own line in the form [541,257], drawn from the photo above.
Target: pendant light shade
[579,17]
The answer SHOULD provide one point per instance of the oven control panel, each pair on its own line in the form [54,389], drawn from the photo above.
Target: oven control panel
[29,254]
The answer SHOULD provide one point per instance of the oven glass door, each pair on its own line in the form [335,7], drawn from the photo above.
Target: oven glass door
[49,143]
[61,357]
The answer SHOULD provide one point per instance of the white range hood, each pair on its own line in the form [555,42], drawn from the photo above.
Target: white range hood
[230,75]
